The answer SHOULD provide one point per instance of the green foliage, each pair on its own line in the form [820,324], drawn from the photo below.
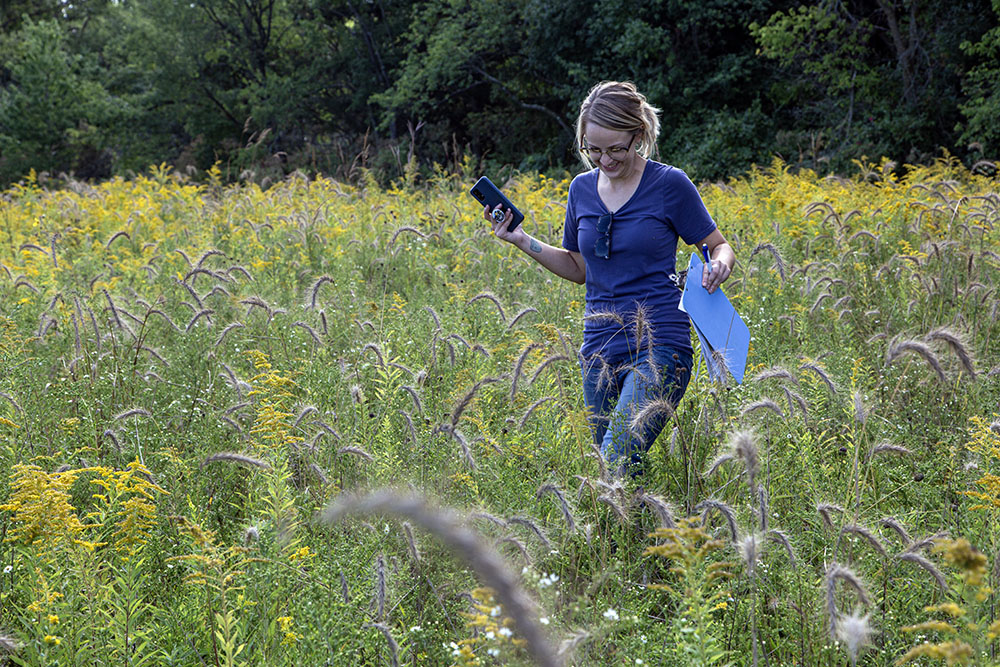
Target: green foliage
[982,88]
[399,89]
[355,338]
[868,78]
[54,112]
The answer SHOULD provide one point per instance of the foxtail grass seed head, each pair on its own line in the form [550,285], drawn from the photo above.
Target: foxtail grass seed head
[727,512]
[312,332]
[926,565]
[8,643]
[821,374]
[532,527]
[885,448]
[11,400]
[860,412]
[569,646]
[119,234]
[410,428]
[112,438]
[616,506]
[825,510]
[762,507]
[892,523]
[958,346]
[357,452]
[601,464]
[417,404]
[303,413]
[519,365]
[524,312]
[603,315]
[774,373]
[236,268]
[522,550]
[463,403]
[492,298]
[531,409]
[434,316]
[899,348]
[657,411]
[743,445]
[204,312]
[460,339]
[779,263]
[781,537]
[554,490]
[837,572]
[928,542]
[722,366]
[448,527]
[380,587]
[763,404]
[854,632]
[320,474]
[869,536]
[749,550]
[411,543]
[233,457]
[798,400]
[663,509]
[393,645]
[491,518]
[374,347]
[545,364]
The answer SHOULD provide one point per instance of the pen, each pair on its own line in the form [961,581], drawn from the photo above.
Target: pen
[708,260]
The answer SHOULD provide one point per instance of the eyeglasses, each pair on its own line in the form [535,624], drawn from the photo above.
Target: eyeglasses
[602,246]
[616,153]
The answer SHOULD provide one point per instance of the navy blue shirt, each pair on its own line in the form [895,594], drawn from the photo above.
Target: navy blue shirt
[644,233]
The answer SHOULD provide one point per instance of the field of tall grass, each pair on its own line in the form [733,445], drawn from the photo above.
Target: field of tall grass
[325,424]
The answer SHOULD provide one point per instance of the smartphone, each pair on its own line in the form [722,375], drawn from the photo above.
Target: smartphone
[488,194]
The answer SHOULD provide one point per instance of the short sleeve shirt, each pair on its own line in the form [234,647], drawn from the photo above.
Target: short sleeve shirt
[636,274]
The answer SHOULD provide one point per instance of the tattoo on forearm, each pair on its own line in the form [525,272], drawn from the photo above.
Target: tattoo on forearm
[535,246]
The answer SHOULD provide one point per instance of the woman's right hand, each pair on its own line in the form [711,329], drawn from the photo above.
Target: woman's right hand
[500,228]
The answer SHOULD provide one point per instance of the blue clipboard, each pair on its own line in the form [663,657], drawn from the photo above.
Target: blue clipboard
[719,327]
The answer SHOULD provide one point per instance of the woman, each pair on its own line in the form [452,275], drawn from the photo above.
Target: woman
[623,219]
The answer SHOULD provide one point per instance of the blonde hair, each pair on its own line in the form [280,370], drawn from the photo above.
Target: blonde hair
[619,106]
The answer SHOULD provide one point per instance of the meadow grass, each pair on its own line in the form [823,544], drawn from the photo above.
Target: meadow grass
[341,424]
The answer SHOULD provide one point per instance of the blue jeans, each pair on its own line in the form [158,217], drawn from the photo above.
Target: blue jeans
[616,393]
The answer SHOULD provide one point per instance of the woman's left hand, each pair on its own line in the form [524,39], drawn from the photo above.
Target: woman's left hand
[715,273]
[722,261]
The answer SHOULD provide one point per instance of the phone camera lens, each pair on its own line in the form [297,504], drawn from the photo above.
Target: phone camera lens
[477,194]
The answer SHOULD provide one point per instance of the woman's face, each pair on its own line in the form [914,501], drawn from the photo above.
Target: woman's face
[624,162]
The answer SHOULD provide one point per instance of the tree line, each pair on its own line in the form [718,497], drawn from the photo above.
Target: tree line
[264,87]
